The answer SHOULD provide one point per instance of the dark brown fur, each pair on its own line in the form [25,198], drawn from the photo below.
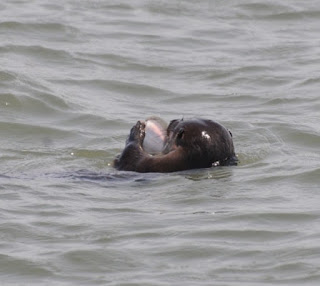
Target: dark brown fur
[191,144]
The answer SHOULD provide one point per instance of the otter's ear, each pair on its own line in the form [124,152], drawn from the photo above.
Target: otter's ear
[180,137]
[230,133]
[180,133]
[172,125]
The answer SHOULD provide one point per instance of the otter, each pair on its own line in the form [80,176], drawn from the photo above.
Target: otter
[183,145]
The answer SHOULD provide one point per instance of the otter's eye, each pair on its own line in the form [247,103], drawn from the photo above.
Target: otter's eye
[180,133]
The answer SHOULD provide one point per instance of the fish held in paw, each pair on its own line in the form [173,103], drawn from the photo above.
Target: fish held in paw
[154,146]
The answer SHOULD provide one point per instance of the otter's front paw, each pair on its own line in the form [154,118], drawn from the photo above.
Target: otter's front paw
[137,133]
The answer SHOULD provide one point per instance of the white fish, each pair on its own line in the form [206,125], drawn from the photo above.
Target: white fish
[155,135]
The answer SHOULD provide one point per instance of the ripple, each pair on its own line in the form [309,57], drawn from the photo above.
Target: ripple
[261,9]
[38,52]
[295,15]
[53,27]
[44,104]
[14,266]
[6,76]
[76,75]
[121,87]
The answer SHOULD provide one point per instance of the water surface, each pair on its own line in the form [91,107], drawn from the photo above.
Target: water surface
[76,75]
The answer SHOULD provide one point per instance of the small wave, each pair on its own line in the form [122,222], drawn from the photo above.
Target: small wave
[6,77]
[40,104]
[15,266]
[122,87]
[37,52]
[36,26]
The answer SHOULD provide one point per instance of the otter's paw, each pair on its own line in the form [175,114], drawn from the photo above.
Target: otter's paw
[137,133]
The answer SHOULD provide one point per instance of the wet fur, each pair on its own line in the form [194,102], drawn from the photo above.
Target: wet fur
[186,148]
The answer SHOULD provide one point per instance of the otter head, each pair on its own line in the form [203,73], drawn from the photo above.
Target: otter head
[204,142]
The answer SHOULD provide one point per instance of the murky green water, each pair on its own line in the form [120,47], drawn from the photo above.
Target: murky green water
[76,75]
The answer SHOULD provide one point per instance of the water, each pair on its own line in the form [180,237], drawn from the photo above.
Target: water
[76,75]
